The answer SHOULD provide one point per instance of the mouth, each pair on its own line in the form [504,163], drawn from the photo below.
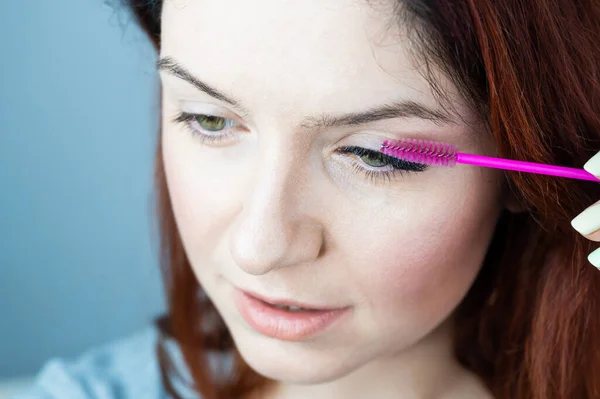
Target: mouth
[284,319]
[290,304]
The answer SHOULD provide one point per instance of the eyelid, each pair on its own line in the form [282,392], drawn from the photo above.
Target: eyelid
[396,163]
[210,109]
[189,117]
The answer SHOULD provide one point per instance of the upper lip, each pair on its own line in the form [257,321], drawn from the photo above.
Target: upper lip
[287,302]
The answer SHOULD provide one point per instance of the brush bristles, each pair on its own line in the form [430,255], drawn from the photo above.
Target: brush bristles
[420,151]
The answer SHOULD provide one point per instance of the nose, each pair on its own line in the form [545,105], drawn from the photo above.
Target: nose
[274,228]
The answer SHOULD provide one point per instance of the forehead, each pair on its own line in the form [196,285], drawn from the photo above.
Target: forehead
[338,27]
[289,55]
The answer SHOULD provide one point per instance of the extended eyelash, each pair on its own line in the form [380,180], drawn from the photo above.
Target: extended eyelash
[399,166]
[186,118]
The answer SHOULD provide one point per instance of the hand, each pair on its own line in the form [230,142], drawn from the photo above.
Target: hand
[588,222]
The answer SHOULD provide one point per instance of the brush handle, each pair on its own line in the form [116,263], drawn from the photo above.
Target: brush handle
[521,166]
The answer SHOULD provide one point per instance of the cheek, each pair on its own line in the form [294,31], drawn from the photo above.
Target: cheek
[203,194]
[425,261]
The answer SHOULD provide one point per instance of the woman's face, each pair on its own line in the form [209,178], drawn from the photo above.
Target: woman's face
[274,203]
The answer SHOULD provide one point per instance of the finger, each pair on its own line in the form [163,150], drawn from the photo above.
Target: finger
[594,258]
[593,165]
[587,223]
[595,236]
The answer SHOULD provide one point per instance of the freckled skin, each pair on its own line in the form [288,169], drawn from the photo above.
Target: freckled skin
[278,211]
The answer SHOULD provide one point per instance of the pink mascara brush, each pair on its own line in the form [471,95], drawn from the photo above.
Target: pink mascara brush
[444,154]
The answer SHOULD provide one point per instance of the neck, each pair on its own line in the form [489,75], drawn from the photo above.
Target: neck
[428,369]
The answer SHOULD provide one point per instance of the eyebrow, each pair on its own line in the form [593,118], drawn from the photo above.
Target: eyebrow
[397,109]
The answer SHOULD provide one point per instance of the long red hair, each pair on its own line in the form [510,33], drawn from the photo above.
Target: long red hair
[530,324]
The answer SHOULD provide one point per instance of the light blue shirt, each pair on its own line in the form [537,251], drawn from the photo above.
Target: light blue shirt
[123,369]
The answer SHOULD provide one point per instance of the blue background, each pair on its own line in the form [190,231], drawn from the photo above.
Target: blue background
[79,115]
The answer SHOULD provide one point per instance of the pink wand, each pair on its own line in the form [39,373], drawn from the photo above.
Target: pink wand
[444,154]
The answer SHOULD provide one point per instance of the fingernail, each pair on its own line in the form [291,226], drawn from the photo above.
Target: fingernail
[593,165]
[588,221]
[594,258]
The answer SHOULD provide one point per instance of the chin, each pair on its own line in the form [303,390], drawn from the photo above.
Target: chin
[291,362]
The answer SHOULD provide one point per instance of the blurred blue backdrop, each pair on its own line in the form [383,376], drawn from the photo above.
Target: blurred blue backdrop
[78,127]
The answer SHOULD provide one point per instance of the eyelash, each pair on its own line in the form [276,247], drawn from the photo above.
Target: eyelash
[399,166]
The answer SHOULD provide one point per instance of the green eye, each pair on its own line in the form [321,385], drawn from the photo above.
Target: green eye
[211,123]
[210,128]
[374,160]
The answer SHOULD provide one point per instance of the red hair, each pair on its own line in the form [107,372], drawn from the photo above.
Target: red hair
[530,324]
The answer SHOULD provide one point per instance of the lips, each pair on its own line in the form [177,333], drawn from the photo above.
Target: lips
[283,319]
[288,303]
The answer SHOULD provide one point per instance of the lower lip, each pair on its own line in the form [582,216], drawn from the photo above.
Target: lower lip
[284,324]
